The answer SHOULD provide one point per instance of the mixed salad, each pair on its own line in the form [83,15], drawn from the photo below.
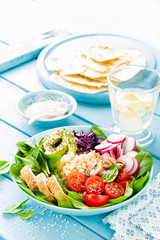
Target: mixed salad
[81,170]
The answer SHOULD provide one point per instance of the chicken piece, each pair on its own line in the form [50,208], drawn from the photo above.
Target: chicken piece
[55,188]
[29,177]
[42,186]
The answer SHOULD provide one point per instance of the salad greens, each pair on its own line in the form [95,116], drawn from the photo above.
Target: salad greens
[33,155]
[98,131]
[139,183]
[15,173]
[31,162]
[52,162]
[145,163]
[140,149]
[16,207]
[26,214]
[4,167]
[111,174]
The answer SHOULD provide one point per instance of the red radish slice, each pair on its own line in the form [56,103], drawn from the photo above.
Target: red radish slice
[132,153]
[111,148]
[135,168]
[103,145]
[116,138]
[129,162]
[112,154]
[121,153]
[105,155]
[118,150]
[129,144]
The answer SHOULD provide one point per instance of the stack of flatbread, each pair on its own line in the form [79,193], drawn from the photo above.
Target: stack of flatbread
[86,70]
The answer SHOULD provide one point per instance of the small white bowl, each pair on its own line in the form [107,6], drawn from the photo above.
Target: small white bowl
[44,95]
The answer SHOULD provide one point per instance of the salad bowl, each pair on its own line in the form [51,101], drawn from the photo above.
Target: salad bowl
[80,212]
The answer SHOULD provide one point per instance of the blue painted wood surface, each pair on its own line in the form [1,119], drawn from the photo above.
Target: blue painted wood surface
[13,128]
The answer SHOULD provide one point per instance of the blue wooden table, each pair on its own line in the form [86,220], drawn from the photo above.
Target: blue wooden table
[46,224]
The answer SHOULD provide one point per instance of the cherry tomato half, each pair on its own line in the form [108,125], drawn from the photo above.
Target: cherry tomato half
[114,190]
[95,200]
[124,184]
[76,181]
[123,176]
[95,185]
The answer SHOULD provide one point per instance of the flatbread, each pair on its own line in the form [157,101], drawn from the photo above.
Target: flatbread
[74,64]
[84,81]
[136,58]
[90,73]
[105,67]
[86,70]
[101,53]
[53,63]
[56,78]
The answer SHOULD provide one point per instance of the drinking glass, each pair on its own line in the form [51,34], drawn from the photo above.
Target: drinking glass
[133,92]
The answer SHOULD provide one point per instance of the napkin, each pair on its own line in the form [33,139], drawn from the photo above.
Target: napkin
[148,219]
[127,221]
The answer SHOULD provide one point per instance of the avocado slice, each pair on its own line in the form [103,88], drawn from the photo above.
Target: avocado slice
[70,139]
[52,147]
[60,143]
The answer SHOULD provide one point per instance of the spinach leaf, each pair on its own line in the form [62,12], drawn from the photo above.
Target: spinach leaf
[59,180]
[15,173]
[52,159]
[132,183]
[35,194]
[65,204]
[43,164]
[145,163]
[140,149]
[76,203]
[24,147]
[31,162]
[27,190]
[75,195]
[126,195]
[139,183]
[98,131]
[4,167]
[19,154]
[110,174]
[26,214]
[34,152]
[41,197]
[16,207]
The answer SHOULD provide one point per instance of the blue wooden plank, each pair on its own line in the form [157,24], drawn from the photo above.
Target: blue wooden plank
[25,75]
[44,224]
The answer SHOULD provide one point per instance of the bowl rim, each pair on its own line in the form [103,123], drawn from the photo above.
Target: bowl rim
[73,101]
[80,212]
